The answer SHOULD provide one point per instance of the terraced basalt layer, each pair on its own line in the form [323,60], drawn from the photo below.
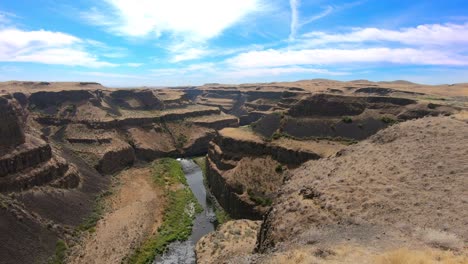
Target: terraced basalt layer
[11,133]
[103,130]
[378,193]
[244,172]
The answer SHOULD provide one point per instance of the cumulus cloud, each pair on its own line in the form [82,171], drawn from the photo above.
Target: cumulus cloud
[195,20]
[45,47]
[274,58]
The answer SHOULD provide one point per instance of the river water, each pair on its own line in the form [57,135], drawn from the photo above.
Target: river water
[184,252]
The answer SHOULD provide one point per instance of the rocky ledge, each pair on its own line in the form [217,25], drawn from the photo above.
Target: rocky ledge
[244,171]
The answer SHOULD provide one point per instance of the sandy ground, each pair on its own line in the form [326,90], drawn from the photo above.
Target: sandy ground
[135,211]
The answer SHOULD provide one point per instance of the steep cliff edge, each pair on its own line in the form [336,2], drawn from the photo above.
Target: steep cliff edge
[244,171]
[397,189]
[63,141]
[11,132]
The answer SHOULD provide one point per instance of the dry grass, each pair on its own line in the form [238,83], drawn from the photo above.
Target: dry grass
[413,173]
[324,148]
[349,254]
[232,239]
[406,256]
[441,239]
[240,133]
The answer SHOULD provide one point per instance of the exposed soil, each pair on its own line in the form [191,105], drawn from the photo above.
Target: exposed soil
[134,212]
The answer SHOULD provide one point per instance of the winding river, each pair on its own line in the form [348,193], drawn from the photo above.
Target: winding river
[184,252]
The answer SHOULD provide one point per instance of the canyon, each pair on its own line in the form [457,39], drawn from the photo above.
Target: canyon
[313,171]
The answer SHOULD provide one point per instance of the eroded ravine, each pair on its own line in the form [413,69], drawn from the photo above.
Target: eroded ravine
[183,252]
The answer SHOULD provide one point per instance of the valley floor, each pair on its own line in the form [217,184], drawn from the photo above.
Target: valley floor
[134,211]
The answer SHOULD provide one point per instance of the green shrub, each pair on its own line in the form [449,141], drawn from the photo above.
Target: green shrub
[258,199]
[178,218]
[279,168]
[388,120]
[181,140]
[221,215]
[276,136]
[346,119]
[60,250]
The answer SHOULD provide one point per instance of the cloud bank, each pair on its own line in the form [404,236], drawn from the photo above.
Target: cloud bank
[195,20]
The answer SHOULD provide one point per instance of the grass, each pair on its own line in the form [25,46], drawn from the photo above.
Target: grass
[258,199]
[279,168]
[179,214]
[60,253]
[181,140]
[347,119]
[221,215]
[441,239]
[388,120]
[342,140]
[406,256]
[201,162]
[90,222]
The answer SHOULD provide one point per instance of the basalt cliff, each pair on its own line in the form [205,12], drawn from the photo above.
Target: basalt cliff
[309,164]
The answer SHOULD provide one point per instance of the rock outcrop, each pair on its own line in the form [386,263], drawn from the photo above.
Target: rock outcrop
[25,160]
[11,132]
[117,156]
[244,172]
[378,193]
[232,242]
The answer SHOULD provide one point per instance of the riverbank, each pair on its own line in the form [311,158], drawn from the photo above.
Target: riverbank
[133,212]
[180,211]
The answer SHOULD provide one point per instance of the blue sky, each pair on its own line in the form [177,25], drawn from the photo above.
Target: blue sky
[191,42]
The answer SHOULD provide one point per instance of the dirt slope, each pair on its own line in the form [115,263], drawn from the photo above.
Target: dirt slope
[405,186]
[135,211]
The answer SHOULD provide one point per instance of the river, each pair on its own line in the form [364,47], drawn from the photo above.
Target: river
[184,252]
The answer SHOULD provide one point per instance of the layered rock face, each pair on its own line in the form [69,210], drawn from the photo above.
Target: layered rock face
[61,142]
[379,192]
[25,160]
[244,171]
[11,133]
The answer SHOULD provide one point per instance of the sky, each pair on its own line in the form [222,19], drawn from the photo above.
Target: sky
[122,43]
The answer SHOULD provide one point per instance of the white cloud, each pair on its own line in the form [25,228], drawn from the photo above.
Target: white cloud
[113,75]
[276,71]
[189,54]
[221,71]
[294,5]
[61,56]
[46,47]
[275,58]
[5,18]
[296,24]
[423,35]
[195,20]
[328,10]
[207,67]
[20,39]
